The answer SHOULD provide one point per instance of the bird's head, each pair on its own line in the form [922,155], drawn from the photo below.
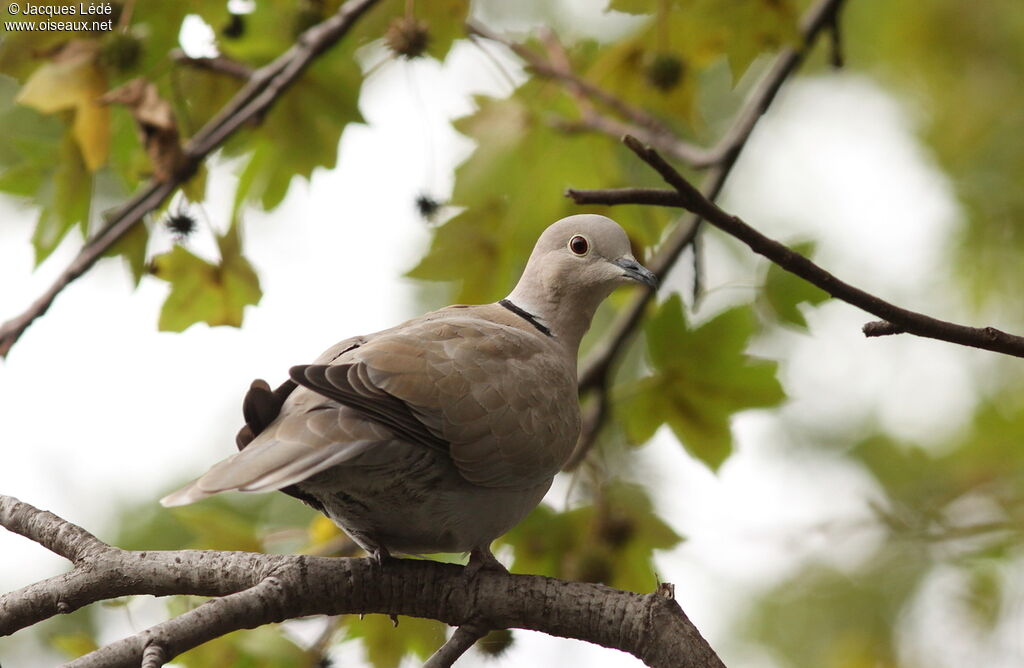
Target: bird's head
[576,263]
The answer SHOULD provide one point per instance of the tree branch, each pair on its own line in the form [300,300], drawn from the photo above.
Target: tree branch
[596,368]
[256,589]
[896,319]
[464,637]
[263,89]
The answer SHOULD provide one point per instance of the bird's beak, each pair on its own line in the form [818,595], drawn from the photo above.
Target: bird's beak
[636,271]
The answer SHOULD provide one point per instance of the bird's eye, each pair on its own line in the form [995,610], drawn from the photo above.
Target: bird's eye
[579,245]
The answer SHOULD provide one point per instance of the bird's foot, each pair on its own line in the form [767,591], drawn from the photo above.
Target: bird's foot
[482,559]
[380,556]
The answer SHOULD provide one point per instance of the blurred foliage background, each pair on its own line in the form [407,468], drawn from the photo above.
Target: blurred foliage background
[944,560]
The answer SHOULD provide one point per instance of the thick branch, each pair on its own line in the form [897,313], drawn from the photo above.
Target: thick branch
[263,89]
[897,319]
[258,589]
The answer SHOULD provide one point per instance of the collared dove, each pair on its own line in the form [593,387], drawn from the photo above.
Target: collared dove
[440,434]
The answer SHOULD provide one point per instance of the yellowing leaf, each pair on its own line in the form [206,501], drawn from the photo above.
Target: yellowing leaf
[72,80]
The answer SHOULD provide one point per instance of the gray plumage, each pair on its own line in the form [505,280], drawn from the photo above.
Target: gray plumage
[442,433]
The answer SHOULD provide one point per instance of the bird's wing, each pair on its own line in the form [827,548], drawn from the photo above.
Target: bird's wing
[311,435]
[494,393]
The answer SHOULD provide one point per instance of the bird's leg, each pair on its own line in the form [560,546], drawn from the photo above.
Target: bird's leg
[482,559]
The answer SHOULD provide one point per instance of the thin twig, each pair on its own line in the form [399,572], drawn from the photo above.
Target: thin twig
[464,637]
[897,318]
[263,89]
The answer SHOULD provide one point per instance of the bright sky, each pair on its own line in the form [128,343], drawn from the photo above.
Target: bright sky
[98,407]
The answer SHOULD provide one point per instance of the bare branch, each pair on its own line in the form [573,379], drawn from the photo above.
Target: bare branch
[896,318]
[263,89]
[54,533]
[464,637]
[256,589]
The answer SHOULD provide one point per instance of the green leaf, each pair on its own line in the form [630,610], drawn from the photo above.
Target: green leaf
[984,597]
[701,378]
[205,292]
[301,132]
[610,541]
[825,617]
[219,527]
[387,644]
[511,188]
[702,31]
[65,203]
[784,292]
[263,647]
[74,644]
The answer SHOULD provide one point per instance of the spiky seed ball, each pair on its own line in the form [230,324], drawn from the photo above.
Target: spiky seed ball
[407,37]
[181,225]
[665,71]
[495,643]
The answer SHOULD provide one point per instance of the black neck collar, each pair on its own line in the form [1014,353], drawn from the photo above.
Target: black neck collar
[527,316]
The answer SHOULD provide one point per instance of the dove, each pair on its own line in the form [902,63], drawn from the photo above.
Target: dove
[442,433]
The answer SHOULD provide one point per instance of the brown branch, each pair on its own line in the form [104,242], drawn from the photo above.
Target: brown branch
[219,64]
[263,89]
[596,368]
[895,317]
[256,589]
